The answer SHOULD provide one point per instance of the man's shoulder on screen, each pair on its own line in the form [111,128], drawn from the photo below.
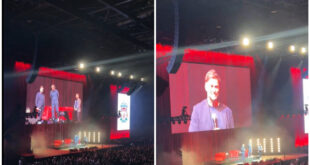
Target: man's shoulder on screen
[223,107]
[201,105]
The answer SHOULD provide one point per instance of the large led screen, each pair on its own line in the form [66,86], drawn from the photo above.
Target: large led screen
[42,100]
[306,89]
[123,107]
[210,97]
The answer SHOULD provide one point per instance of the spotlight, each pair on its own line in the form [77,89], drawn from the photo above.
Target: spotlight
[98,69]
[131,77]
[112,72]
[119,74]
[28,110]
[264,143]
[279,148]
[82,65]
[257,142]
[88,136]
[270,45]
[98,137]
[245,41]
[80,134]
[292,48]
[142,79]
[303,50]
[271,145]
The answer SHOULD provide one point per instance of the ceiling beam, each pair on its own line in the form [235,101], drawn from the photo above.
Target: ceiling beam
[92,20]
[124,14]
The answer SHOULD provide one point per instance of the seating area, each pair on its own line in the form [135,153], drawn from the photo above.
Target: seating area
[142,154]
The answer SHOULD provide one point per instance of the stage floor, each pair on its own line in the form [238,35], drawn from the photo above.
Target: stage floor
[48,152]
[255,158]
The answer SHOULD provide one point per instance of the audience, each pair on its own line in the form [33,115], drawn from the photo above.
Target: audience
[121,155]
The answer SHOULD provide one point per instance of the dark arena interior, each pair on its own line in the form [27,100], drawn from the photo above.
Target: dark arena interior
[99,57]
[256,51]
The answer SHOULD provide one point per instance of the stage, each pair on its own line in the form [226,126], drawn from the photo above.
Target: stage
[256,159]
[49,152]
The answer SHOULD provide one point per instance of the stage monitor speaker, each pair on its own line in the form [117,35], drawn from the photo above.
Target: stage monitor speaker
[34,69]
[176,58]
[175,63]
[32,76]
[134,89]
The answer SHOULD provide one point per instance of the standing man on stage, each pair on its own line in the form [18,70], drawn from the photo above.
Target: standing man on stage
[40,103]
[54,94]
[76,140]
[243,152]
[250,150]
[77,108]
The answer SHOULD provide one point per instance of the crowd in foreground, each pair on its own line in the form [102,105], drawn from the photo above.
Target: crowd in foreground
[133,155]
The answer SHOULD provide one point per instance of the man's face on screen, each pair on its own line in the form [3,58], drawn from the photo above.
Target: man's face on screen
[53,87]
[212,88]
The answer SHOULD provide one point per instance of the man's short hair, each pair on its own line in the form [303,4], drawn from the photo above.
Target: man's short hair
[212,74]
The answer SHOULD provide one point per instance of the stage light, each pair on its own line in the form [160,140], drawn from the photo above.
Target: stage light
[245,41]
[264,143]
[303,50]
[279,148]
[82,65]
[98,137]
[94,137]
[119,74]
[28,110]
[98,69]
[142,79]
[292,48]
[250,142]
[80,134]
[112,72]
[131,77]
[270,45]
[257,142]
[271,145]
[84,134]
[88,136]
